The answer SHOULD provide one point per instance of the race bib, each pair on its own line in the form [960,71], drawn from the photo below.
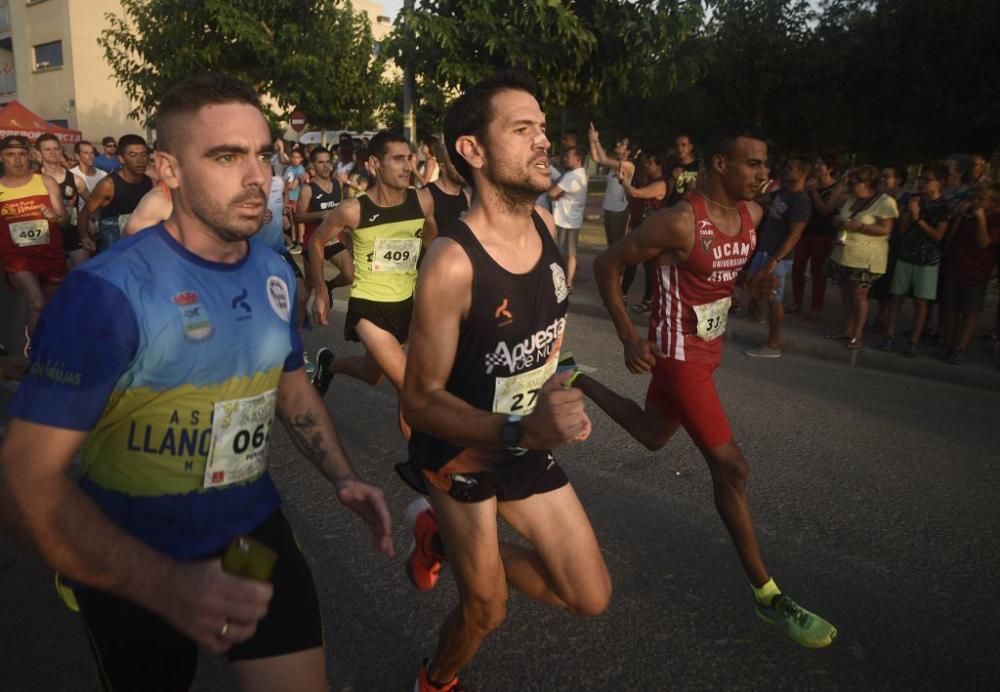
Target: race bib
[396,254]
[712,318]
[240,432]
[123,221]
[29,233]
[517,394]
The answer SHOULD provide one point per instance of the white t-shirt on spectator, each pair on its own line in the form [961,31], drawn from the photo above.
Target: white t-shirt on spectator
[543,200]
[568,208]
[91,180]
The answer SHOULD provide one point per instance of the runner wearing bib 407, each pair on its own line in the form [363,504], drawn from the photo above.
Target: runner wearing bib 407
[387,228]
[699,245]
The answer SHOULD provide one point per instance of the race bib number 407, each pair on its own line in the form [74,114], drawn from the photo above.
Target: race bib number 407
[29,233]
[241,429]
[517,394]
[396,254]
[712,318]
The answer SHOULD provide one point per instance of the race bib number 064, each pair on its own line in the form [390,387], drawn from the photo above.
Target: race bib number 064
[241,429]
[396,254]
[712,318]
[29,233]
[518,394]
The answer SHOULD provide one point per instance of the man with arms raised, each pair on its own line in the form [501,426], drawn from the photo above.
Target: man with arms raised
[700,245]
[387,226]
[482,394]
[174,384]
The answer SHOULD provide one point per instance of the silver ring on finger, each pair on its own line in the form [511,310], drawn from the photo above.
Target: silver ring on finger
[225,630]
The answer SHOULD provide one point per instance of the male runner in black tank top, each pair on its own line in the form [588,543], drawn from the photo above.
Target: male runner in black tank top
[487,325]
[116,196]
[451,200]
[317,200]
[72,187]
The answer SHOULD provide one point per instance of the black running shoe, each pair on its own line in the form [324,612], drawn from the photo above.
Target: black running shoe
[322,377]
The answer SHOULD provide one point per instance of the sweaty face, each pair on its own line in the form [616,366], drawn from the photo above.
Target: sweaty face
[395,168]
[86,155]
[745,172]
[323,165]
[223,167]
[16,161]
[516,150]
[134,158]
[51,151]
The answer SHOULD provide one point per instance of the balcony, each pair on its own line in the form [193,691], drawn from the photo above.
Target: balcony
[8,83]
[4,17]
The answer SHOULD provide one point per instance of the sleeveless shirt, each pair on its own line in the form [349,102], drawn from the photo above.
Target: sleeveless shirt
[508,346]
[387,246]
[447,207]
[692,299]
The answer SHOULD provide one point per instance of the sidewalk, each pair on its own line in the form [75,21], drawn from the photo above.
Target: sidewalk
[803,337]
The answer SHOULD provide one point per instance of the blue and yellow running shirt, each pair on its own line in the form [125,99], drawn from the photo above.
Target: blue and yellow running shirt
[172,363]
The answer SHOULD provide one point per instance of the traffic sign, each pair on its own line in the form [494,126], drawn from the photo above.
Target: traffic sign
[297,121]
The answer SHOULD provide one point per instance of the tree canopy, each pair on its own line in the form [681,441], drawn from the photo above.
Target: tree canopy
[315,56]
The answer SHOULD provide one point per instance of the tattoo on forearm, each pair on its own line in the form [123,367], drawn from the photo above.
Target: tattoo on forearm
[308,436]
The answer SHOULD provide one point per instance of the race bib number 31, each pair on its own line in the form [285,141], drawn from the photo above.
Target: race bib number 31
[517,394]
[29,233]
[240,432]
[712,318]
[396,254]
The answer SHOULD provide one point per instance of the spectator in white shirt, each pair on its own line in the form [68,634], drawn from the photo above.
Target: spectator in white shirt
[569,197]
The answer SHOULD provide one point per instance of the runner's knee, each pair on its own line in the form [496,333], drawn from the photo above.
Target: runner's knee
[593,600]
[729,468]
[485,613]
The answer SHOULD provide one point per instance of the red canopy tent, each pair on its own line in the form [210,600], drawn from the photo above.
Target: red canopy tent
[16,119]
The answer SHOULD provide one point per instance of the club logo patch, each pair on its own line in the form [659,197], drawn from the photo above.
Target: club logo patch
[194,317]
[279,297]
[559,282]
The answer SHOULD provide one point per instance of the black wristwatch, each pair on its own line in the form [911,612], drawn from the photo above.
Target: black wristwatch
[510,434]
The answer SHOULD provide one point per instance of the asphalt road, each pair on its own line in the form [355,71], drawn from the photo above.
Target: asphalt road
[876,500]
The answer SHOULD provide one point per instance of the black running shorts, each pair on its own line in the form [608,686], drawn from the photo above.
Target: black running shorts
[390,317]
[71,239]
[135,649]
[534,476]
[287,256]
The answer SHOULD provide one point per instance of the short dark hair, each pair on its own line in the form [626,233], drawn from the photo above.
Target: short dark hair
[724,136]
[431,142]
[130,141]
[105,141]
[379,144]
[46,137]
[867,174]
[576,150]
[190,95]
[470,113]
[834,160]
[76,147]
[317,151]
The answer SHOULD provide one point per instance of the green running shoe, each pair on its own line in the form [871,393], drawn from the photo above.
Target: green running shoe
[798,624]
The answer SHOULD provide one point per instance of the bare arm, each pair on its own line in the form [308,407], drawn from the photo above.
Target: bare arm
[81,187]
[597,151]
[430,165]
[49,515]
[305,416]
[430,230]
[154,207]
[302,213]
[442,301]
[833,202]
[56,212]
[655,190]
[100,197]
[345,215]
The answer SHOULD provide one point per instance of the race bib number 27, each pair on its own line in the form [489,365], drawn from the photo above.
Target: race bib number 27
[241,429]
[518,394]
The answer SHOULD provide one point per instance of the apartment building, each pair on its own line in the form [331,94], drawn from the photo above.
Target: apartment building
[51,62]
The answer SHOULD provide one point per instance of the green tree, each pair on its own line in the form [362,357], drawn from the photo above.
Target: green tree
[316,56]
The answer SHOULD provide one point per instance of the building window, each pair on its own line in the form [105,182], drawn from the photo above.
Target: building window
[48,55]
[58,123]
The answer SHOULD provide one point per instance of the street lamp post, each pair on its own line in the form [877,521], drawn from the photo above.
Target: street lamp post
[409,92]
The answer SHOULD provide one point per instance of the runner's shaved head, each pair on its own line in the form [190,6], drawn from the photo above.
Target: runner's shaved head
[187,97]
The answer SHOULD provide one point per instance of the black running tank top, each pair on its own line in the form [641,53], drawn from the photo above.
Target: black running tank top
[126,197]
[447,208]
[71,197]
[508,346]
[321,200]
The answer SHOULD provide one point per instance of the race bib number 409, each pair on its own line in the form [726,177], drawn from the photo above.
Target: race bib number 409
[712,318]
[517,394]
[29,233]
[396,254]
[241,429]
